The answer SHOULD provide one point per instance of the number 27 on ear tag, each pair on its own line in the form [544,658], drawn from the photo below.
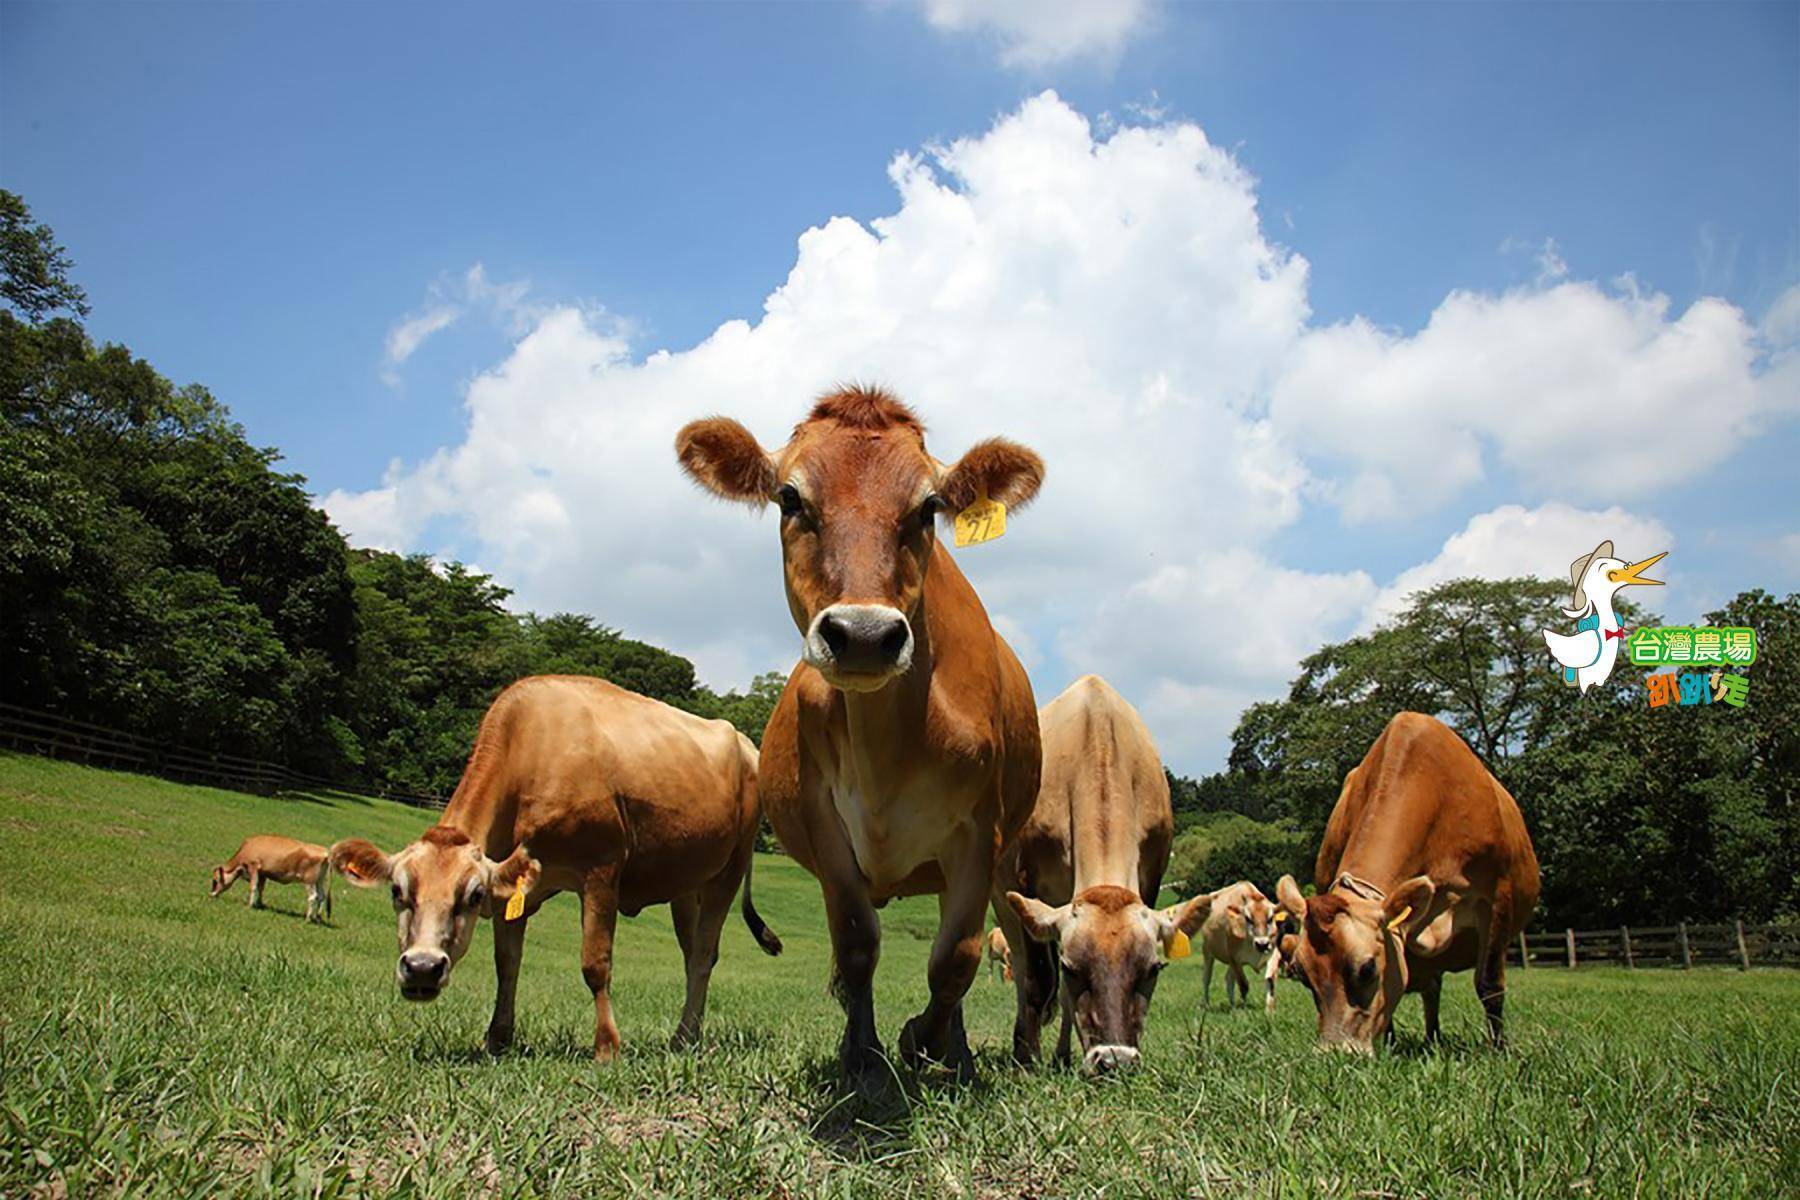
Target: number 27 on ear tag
[982,521]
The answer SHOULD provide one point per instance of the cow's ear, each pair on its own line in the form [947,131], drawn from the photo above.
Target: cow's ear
[1407,907]
[721,456]
[998,469]
[361,862]
[1288,892]
[515,876]
[1042,923]
[1188,916]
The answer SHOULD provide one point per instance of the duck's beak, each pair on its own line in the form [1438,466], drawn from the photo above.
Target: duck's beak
[1629,575]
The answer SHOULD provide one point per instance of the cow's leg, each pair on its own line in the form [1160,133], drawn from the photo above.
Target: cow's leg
[1065,1038]
[1034,981]
[1490,986]
[256,887]
[1206,984]
[937,1034]
[1431,991]
[711,906]
[855,949]
[313,905]
[1235,982]
[599,917]
[509,948]
[1270,969]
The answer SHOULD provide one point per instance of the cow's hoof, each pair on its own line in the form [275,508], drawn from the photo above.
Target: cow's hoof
[953,1057]
[499,1040]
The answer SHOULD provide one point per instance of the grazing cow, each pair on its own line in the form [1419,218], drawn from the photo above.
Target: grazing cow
[1096,845]
[578,786]
[903,754]
[266,856]
[999,954]
[1239,931]
[1426,867]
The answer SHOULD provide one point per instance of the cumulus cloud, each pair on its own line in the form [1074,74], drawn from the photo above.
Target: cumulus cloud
[1039,33]
[1111,299]
[1572,387]
[1514,542]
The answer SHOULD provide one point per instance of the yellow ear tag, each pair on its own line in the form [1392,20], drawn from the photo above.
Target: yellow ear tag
[1280,915]
[982,521]
[1178,945]
[1399,920]
[515,905]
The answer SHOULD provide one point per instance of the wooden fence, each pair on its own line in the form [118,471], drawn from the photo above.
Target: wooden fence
[57,736]
[1682,945]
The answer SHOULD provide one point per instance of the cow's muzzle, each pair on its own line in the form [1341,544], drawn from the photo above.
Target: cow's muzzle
[860,647]
[1109,1060]
[423,974]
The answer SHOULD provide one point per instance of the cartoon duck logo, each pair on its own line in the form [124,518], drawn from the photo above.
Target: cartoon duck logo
[1587,655]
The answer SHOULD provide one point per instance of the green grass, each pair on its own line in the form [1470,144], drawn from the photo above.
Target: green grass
[152,1041]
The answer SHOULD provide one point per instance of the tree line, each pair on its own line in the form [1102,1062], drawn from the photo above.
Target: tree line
[161,574]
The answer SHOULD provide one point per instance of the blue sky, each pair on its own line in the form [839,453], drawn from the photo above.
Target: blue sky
[258,196]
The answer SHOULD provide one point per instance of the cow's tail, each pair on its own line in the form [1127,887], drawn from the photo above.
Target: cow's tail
[765,937]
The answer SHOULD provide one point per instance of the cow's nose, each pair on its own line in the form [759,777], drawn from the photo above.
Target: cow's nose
[861,639]
[422,972]
[1101,1060]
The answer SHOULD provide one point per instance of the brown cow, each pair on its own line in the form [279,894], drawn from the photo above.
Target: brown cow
[904,753]
[1097,843]
[576,785]
[999,954]
[1240,932]
[266,856]
[1426,867]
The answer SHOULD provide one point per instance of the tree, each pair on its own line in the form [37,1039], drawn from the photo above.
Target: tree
[34,270]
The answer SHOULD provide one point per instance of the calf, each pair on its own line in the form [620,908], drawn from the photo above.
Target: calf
[903,755]
[999,954]
[1095,847]
[1239,931]
[1426,868]
[576,785]
[265,856]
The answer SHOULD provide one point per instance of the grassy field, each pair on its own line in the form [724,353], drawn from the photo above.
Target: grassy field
[153,1042]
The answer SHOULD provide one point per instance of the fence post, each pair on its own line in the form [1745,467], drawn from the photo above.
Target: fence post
[1524,954]
[1625,939]
[1743,950]
[1687,951]
[1569,936]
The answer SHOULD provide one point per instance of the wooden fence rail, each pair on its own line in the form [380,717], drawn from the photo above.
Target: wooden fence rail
[57,736]
[1734,943]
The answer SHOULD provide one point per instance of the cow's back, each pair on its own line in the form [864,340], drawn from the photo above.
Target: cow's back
[280,857]
[1422,803]
[587,771]
[1102,812]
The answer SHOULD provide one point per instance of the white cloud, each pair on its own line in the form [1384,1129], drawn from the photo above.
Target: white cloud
[446,302]
[1039,33]
[1514,542]
[1572,387]
[1114,302]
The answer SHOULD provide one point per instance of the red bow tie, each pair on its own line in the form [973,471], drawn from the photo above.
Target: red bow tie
[1615,633]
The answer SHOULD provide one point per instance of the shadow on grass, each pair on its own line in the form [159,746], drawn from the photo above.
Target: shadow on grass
[871,1118]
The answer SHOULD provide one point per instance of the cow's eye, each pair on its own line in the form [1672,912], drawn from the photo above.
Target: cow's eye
[929,510]
[476,895]
[1147,984]
[399,897]
[788,497]
[1365,974]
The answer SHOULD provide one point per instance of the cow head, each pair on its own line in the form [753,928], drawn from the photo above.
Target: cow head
[859,499]
[442,885]
[222,879]
[1110,944]
[1252,919]
[1350,953]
